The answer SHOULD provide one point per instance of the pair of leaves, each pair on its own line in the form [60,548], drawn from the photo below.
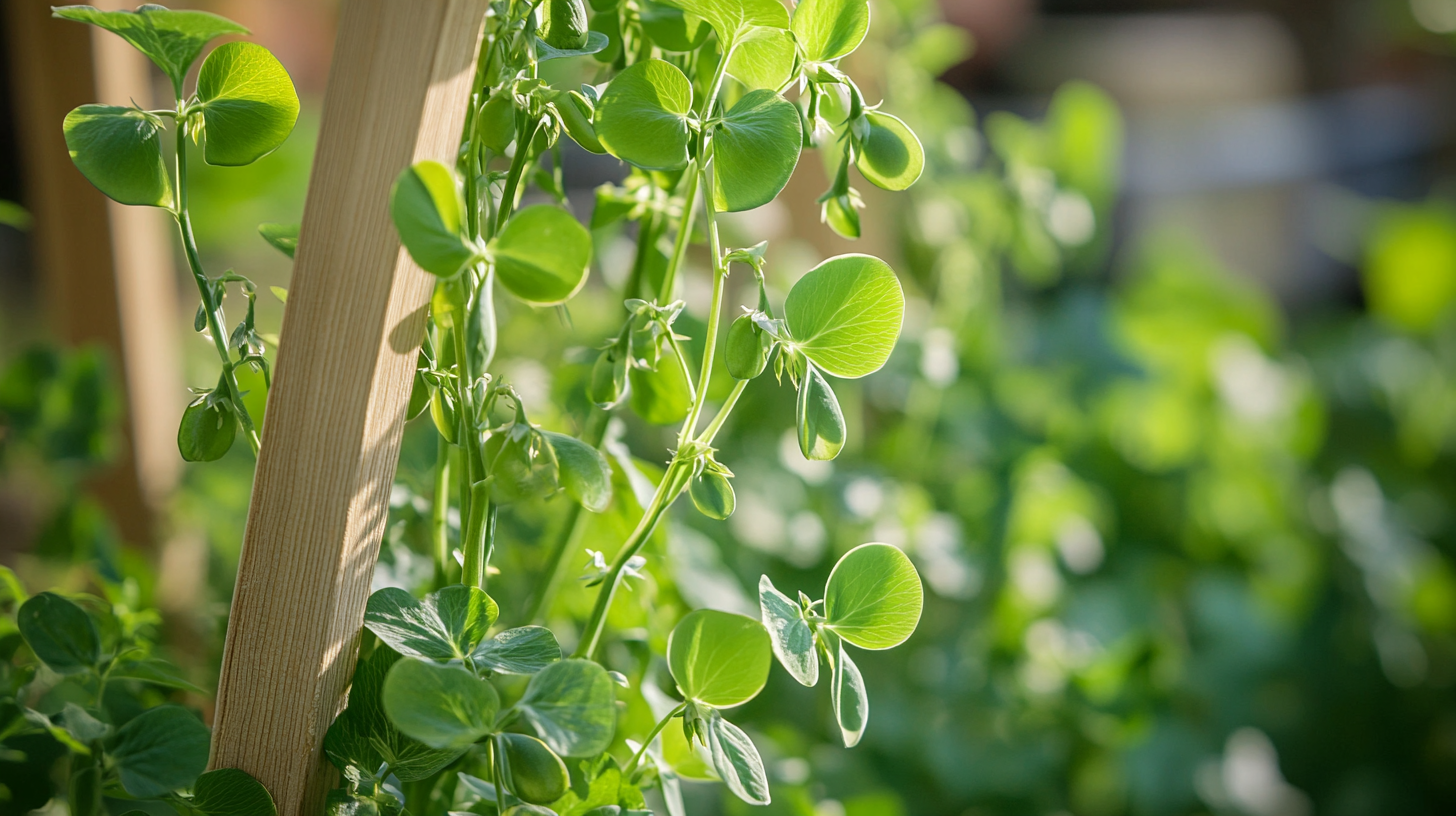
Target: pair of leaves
[364,737]
[872,600]
[451,624]
[541,256]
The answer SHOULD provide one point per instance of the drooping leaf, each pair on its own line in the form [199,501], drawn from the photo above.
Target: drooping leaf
[643,116]
[829,29]
[845,314]
[442,706]
[763,59]
[542,256]
[207,430]
[820,422]
[283,237]
[81,725]
[736,760]
[792,638]
[847,692]
[536,775]
[364,736]
[596,42]
[119,150]
[664,396]
[480,327]
[523,650]
[171,39]
[248,103]
[873,598]
[231,792]
[719,658]
[583,470]
[159,751]
[891,156]
[571,705]
[755,151]
[425,205]
[60,633]
[671,29]
[447,625]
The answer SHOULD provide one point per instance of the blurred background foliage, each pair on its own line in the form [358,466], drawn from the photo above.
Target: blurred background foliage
[1170,432]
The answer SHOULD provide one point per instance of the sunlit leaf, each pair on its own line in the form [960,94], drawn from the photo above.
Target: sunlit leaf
[171,39]
[829,29]
[847,692]
[523,650]
[792,638]
[442,706]
[572,706]
[248,103]
[543,255]
[447,625]
[426,207]
[820,421]
[873,598]
[891,156]
[845,314]
[736,760]
[643,116]
[719,658]
[583,471]
[755,150]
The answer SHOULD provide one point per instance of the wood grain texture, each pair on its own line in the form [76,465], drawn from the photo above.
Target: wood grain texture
[351,331]
[106,269]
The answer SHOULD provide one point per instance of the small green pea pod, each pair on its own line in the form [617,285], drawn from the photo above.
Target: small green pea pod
[442,411]
[495,125]
[712,493]
[576,115]
[207,430]
[565,25]
[748,348]
[821,423]
[608,379]
[536,774]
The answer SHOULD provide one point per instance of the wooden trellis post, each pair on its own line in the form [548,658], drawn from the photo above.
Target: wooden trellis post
[354,321]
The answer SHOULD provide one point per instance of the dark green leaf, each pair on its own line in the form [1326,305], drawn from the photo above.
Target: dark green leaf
[523,650]
[572,707]
[719,658]
[442,706]
[364,737]
[447,625]
[171,39]
[120,151]
[207,430]
[231,792]
[543,255]
[480,327]
[60,633]
[248,103]
[156,672]
[584,471]
[792,637]
[162,750]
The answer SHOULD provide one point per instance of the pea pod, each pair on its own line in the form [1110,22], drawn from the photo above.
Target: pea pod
[576,114]
[608,378]
[712,493]
[208,429]
[565,25]
[495,125]
[748,348]
[537,776]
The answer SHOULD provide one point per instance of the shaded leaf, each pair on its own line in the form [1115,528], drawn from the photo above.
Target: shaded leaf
[231,792]
[820,422]
[442,706]
[572,707]
[542,256]
[523,650]
[161,750]
[60,633]
[364,737]
[119,150]
[583,471]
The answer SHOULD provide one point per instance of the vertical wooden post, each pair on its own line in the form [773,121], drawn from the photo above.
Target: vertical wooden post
[106,269]
[354,321]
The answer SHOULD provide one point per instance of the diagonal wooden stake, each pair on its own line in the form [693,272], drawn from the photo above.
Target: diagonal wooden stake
[356,310]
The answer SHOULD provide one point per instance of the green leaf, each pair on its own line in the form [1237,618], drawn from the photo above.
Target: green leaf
[60,633]
[873,598]
[596,42]
[891,156]
[160,750]
[119,150]
[425,204]
[830,29]
[731,18]
[447,625]
[231,792]
[442,706]
[207,430]
[523,650]
[156,672]
[542,256]
[282,237]
[845,314]
[847,692]
[755,151]
[792,638]
[248,103]
[663,396]
[671,29]
[536,775]
[737,761]
[81,725]
[821,423]
[643,116]
[572,707]
[364,737]
[171,39]
[763,59]
[583,471]
[719,658]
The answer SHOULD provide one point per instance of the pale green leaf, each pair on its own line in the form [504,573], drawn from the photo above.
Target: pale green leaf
[662,396]
[847,692]
[248,103]
[845,314]
[426,207]
[719,658]
[671,29]
[873,598]
[443,706]
[282,237]
[830,29]
[755,151]
[763,58]
[643,116]
[730,18]
[891,156]
[736,760]
[542,256]
[120,151]
[596,42]
[820,421]
[792,638]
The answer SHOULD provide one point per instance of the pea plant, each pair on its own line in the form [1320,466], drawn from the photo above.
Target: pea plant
[695,96]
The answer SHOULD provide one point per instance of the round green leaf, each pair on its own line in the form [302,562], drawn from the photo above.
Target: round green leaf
[583,471]
[663,396]
[536,775]
[643,116]
[755,151]
[821,423]
[830,29]
[160,750]
[736,760]
[542,255]
[847,693]
[719,658]
[523,650]
[763,59]
[364,737]
[231,792]
[793,640]
[60,633]
[248,103]
[425,205]
[572,706]
[891,156]
[442,706]
[845,314]
[207,430]
[119,150]
[672,29]
[873,597]
[447,625]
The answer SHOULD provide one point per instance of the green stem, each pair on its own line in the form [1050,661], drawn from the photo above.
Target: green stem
[592,634]
[479,535]
[570,532]
[214,327]
[518,167]
[717,424]
[715,307]
[439,512]
[684,234]
[656,729]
